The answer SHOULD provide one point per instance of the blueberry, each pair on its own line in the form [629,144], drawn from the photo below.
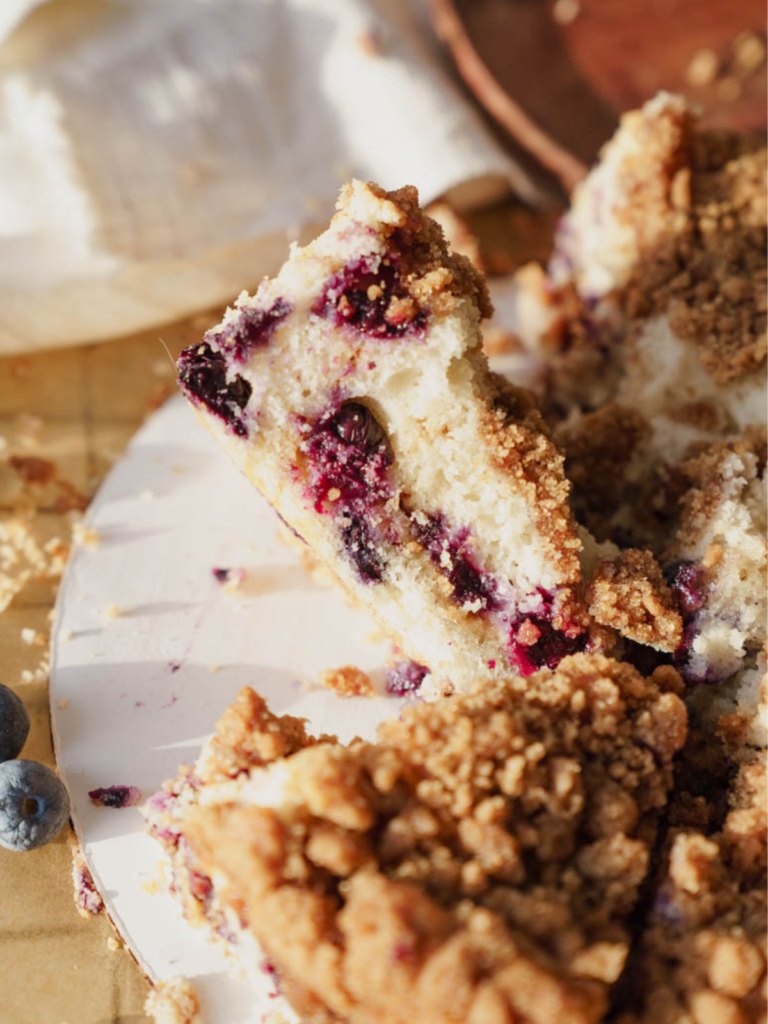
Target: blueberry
[33,805]
[14,724]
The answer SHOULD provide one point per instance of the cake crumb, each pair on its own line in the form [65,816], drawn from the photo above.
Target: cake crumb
[85,536]
[174,1002]
[348,681]
[112,611]
[32,637]
[631,595]
[63,703]
[88,900]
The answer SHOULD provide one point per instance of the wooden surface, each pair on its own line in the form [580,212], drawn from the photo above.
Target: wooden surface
[76,408]
[558,87]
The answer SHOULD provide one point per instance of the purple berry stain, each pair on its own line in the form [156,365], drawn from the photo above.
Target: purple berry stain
[369,294]
[450,551]
[249,329]
[349,459]
[115,796]
[687,582]
[203,377]
[405,677]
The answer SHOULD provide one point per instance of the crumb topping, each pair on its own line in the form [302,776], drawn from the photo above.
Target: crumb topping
[477,863]
[702,956]
[631,596]
[514,431]
[348,681]
[248,736]
[714,471]
[709,271]
[433,276]
[173,1002]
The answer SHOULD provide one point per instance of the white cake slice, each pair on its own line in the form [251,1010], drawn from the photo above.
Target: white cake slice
[352,391]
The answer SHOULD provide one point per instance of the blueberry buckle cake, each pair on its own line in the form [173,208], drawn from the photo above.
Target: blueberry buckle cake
[352,391]
[480,862]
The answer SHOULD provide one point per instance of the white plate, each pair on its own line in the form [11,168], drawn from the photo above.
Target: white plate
[138,693]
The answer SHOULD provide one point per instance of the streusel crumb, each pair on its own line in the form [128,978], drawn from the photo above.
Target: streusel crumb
[432,274]
[248,735]
[702,956]
[478,863]
[173,1002]
[631,596]
[711,274]
[348,681]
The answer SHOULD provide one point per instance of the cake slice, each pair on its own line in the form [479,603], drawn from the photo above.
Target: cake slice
[352,391]
[479,863]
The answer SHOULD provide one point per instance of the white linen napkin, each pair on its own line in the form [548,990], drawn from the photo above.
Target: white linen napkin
[156,154]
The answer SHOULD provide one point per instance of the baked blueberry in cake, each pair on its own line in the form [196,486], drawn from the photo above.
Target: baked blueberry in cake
[480,862]
[352,390]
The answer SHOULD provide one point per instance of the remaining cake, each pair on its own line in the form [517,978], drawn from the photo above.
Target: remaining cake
[655,295]
[352,391]
[479,863]
[719,560]
[702,955]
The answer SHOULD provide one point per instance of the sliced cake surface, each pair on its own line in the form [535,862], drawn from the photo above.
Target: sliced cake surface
[650,322]
[352,391]
[479,863]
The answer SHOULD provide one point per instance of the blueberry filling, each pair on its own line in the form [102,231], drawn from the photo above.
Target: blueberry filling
[687,583]
[349,459]
[203,375]
[369,294]
[361,548]
[449,550]
[115,796]
[534,643]
[405,677]
[251,328]
[686,580]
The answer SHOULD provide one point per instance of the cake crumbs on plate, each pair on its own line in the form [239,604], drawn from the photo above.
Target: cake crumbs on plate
[348,681]
[173,1002]
[31,637]
[87,898]
[85,536]
[112,611]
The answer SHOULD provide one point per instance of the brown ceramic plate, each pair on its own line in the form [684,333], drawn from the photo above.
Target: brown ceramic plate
[556,74]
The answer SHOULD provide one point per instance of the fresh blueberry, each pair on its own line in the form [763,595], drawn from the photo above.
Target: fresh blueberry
[14,724]
[33,805]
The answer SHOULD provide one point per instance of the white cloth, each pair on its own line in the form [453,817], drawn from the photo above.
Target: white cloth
[154,154]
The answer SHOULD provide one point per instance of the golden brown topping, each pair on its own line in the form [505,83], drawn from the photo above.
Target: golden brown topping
[433,275]
[708,270]
[631,596]
[249,735]
[477,863]
[348,681]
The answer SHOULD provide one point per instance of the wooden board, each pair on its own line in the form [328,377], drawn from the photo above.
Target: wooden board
[559,86]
